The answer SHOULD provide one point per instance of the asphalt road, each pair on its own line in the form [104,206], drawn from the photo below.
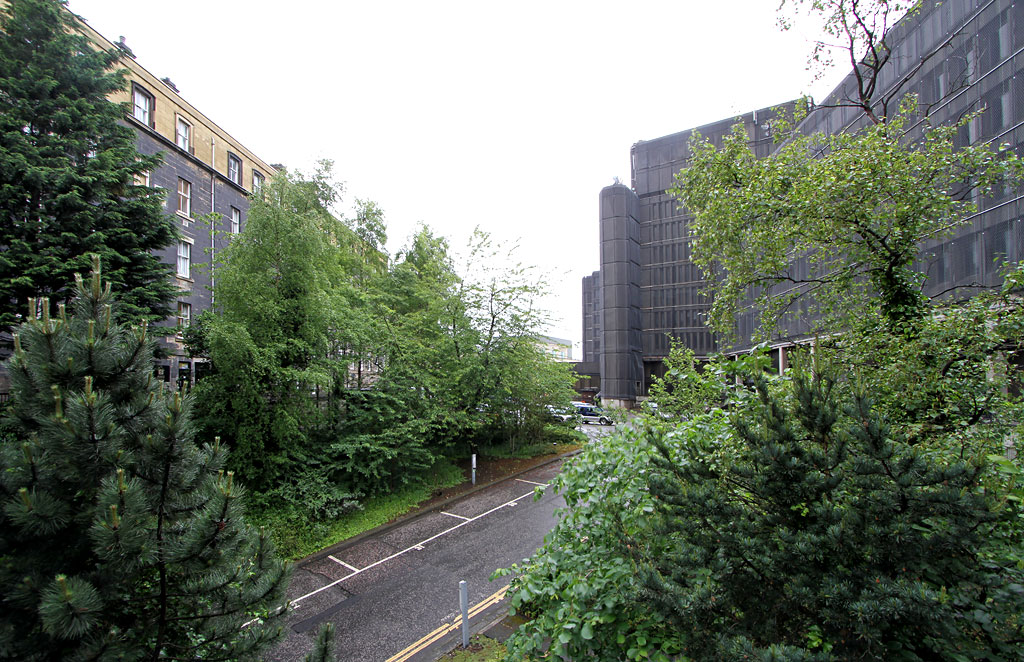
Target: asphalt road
[387,592]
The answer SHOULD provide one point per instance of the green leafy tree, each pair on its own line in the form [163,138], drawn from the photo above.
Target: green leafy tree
[828,227]
[369,225]
[835,220]
[120,536]
[804,524]
[280,298]
[952,382]
[507,371]
[68,165]
[687,389]
[582,593]
[338,376]
[467,337]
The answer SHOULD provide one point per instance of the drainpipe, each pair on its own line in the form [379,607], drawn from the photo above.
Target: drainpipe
[213,210]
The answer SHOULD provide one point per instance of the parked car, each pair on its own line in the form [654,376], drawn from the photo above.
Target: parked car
[592,414]
[561,414]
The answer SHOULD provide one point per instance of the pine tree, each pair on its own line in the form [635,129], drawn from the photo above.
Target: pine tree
[120,537]
[67,169]
[323,648]
[833,538]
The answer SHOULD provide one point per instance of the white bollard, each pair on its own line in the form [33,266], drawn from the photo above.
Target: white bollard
[464,604]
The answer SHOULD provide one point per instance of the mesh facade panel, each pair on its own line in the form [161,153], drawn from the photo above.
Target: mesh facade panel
[958,57]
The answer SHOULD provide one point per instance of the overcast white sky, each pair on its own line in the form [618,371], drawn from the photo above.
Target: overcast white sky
[510,116]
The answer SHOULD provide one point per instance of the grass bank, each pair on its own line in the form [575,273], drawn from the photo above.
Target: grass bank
[296,537]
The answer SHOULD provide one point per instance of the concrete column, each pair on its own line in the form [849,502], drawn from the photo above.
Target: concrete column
[621,350]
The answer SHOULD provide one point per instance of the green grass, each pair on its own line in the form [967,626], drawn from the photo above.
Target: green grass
[296,537]
[481,649]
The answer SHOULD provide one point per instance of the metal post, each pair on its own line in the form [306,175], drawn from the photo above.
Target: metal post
[474,468]
[464,604]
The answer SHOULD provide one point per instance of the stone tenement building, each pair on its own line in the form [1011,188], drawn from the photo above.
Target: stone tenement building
[648,289]
[205,171]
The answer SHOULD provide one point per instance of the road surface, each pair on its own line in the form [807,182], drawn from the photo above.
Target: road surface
[387,594]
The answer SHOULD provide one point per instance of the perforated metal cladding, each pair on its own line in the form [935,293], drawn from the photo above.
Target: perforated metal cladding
[976,70]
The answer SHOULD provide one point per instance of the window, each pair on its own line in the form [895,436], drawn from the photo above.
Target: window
[236,221]
[184,259]
[257,182]
[235,169]
[184,197]
[184,135]
[141,178]
[142,105]
[184,314]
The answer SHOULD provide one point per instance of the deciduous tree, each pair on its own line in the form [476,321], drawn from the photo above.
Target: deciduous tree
[281,309]
[830,226]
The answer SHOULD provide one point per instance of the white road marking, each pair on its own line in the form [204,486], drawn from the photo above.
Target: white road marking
[340,562]
[454,515]
[418,545]
[531,482]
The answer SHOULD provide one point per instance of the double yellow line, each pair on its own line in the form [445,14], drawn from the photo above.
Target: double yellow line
[447,628]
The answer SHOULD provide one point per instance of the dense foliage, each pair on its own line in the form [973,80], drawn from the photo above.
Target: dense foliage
[120,536]
[831,536]
[67,172]
[796,519]
[340,375]
[683,391]
[582,591]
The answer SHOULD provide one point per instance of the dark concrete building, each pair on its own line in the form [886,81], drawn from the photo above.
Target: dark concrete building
[957,56]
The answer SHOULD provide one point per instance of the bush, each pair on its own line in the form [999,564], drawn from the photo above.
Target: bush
[581,589]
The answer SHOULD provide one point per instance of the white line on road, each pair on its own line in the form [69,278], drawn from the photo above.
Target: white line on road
[531,482]
[418,545]
[454,515]
[339,561]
